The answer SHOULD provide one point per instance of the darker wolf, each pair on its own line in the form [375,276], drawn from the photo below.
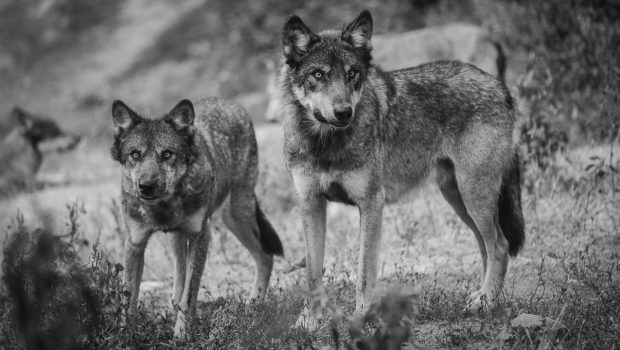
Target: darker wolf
[22,150]
[177,170]
[362,136]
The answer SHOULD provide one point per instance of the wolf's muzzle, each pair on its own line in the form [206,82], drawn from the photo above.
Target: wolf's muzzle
[318,116]
[149,190]
[343,115]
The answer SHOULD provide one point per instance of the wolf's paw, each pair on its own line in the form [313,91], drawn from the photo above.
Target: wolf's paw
[361,307]
[308,320]
[123,321]
[173,305]
[180,327]
[363,302]
[480,302]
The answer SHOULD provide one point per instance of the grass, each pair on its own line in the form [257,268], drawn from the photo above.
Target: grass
[569,272]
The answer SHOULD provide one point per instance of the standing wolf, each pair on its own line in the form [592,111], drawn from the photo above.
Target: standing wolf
[177,170]
[361,136]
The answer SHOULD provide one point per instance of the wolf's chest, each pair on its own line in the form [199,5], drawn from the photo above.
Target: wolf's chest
[163,216]
[332,188]
[348,187]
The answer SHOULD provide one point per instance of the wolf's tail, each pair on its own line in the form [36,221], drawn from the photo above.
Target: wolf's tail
[269,240]
[510,213]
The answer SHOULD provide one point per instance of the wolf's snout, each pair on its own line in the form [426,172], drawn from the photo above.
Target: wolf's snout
[148,189]
[343,114]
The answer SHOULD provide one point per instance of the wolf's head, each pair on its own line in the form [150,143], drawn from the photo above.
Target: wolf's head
[328,69]
[155,153]
[43,133]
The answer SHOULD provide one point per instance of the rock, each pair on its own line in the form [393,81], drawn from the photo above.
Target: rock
[535,321]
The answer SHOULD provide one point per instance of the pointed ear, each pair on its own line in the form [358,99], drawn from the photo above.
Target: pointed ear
[359,32]
[181,117]
[297,39]
[124,118]
[22,117]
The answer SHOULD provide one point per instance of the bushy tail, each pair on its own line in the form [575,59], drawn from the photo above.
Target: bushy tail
[269,240]
[510,213]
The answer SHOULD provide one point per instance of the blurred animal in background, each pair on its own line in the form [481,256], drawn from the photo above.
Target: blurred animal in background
[177,170]
[23,149]
[365,137]
[453,41]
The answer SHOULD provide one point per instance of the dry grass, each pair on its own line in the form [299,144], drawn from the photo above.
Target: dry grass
[568,272]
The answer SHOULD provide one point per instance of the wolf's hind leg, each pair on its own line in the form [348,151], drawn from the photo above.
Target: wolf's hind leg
[239,214]
[446,180]
[195,260]
[480,195]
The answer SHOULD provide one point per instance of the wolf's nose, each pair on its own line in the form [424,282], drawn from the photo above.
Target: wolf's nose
[343,114]
[148,188]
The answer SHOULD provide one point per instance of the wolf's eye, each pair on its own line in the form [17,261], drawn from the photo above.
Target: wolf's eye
[318,74]
[135,155]
[165,155]
[352,74]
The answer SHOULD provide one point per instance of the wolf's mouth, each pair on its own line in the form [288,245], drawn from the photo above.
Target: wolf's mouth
[318,116]
[339,124]
[150,199]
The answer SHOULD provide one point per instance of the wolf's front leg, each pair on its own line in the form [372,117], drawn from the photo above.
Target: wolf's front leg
[135,244]
[313,210]
[196,258]
[178,244]
[371,210]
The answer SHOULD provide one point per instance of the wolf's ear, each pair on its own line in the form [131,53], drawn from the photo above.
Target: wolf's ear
[181,117]
[297,39]
[22,117]
[124,118]
[359,32]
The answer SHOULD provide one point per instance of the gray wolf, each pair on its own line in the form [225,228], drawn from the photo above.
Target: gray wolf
[453,41]
[359,135]
[177,170]
[23,149]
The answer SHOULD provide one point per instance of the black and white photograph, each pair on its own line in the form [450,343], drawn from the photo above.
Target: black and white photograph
[352,175]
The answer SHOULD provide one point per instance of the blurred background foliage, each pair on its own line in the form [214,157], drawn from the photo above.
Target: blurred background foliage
[562,55]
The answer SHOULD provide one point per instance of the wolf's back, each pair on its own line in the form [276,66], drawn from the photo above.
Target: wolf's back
[221,116]
[452,92]
[228,129]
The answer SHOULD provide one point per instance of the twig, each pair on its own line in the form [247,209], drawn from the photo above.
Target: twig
[611,165]
[430,210]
